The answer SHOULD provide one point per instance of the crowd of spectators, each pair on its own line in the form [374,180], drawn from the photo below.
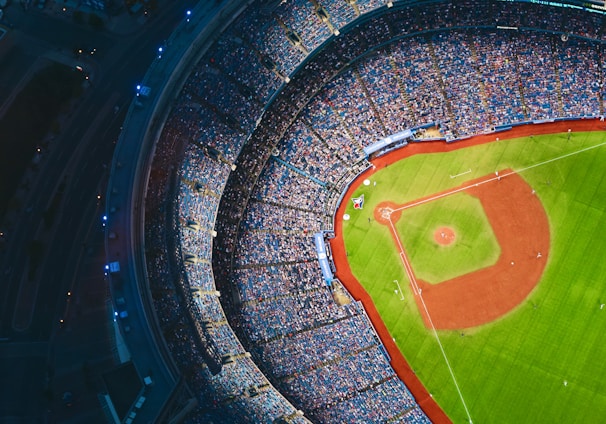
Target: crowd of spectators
[535,69]
[386,87]
[325,122]
[280,280]
[339,379]
[340,15]
[279,316]
[442,63]
[295,221]
[282,185]
[307,151]
[462,85]
[354,109]
[499,75]
[233,54]
[268,38]
[239,385]
[320,345]
[466,83]
[367,410]
[301,17]
[216,91]
[580,76]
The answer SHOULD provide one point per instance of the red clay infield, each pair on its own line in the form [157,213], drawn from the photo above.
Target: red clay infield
[401,367]
[521,228]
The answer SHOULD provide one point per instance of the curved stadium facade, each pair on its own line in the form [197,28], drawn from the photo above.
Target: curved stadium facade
[268,130]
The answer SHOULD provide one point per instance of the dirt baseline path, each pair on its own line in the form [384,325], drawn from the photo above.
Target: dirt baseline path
[521,228]
[398,362]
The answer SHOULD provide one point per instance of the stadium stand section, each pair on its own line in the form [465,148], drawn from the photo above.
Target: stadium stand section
[267,131]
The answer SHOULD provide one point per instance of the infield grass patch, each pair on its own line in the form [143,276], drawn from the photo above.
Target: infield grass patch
[475,246]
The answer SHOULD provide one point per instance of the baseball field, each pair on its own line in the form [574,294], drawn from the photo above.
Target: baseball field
[486,264]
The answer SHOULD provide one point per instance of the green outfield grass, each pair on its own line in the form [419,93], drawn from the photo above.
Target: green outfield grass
[475,246]
[542,362]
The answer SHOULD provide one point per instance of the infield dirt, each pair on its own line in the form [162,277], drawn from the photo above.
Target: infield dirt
[520,224]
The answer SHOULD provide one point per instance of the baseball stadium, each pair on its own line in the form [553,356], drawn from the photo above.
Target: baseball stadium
[370,211]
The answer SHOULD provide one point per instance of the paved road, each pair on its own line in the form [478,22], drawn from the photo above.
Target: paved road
[34,347]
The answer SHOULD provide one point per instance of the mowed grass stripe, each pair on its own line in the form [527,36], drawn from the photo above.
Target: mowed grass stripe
[511,370]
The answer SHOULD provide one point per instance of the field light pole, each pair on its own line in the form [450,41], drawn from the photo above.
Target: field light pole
[401,294]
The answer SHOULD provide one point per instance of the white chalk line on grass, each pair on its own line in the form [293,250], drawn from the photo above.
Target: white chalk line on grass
[417,291]
[462,173]
[404,259]
[496,177]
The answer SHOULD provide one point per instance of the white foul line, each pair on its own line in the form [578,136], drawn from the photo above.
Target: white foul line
[417,291]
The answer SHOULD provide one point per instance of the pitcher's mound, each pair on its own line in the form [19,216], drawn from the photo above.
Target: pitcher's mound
[444,236]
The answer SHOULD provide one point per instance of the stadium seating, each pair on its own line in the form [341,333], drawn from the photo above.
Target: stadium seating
[444,63]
